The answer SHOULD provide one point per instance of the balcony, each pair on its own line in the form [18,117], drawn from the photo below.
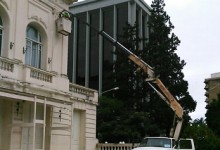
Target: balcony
[38,76]
[6,64]
[19,76]
[8,69]
[83,93]
[13,69]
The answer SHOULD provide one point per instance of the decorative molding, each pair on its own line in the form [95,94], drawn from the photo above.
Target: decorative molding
[44,23]
[60,2]
[69,1]
[54,4]
[4,3]
[39,19]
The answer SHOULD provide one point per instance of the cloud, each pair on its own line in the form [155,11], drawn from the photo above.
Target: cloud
[181,4]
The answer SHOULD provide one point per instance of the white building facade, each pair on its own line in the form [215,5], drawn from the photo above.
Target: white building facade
[39,108]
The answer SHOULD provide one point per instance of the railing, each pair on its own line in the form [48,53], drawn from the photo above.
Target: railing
[41,75]
[112,146]
[81,90]
[6,64]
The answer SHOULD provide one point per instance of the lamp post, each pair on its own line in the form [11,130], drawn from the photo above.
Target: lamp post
[113,89]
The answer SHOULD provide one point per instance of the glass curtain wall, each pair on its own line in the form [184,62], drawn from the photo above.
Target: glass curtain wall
[108,25]
[94,51]
[81,51]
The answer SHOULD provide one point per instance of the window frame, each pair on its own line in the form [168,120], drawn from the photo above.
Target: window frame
[33,52]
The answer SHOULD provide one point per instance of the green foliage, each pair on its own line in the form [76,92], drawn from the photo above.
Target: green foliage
[115,123]
[212,116]
[131,82]
[203,137]
[136,110]
[160,52]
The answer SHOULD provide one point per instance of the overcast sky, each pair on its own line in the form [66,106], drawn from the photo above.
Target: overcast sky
[197,25]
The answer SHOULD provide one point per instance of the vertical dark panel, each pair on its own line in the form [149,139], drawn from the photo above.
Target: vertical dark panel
[94,52]
[144,29]
[81,51]
[143,26]
[122,18]
[70,54]
[108,20]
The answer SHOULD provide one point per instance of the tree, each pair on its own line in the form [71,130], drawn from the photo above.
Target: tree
[212,116]
[108,113]
[204,138]
[132,88]
[160,52]
[141,110]
[115,123]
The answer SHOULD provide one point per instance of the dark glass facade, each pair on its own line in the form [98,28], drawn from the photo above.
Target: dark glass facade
[91,59]
[108,24]
[70,55]
[81,51]
[94,51]
[122,18]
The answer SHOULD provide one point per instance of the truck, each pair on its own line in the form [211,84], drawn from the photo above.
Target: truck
[165,143]
[152,143]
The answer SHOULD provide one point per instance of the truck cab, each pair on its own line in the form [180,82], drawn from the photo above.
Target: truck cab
[165,143]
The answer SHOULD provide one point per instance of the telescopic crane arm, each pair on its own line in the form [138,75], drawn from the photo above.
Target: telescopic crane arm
[166,96]
[169,99]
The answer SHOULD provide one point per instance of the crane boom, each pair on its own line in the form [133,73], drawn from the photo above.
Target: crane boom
[166,96]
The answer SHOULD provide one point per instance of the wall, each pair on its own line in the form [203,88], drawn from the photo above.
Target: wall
[31,98]
[41,14]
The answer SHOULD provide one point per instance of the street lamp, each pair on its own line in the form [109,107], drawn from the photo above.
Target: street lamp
[113,89]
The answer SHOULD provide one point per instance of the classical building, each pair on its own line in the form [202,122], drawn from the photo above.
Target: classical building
[90,56]
[212,87]
[39,108]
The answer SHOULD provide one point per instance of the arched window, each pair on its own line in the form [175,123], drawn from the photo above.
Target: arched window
[33,47]
[1,32]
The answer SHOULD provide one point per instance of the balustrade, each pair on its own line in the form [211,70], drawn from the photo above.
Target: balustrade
[6,64]
[81,90]
[41,75]
[113,146]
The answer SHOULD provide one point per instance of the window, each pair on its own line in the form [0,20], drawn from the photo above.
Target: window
[33,47]
[185,144]
[156,142]
[1,31]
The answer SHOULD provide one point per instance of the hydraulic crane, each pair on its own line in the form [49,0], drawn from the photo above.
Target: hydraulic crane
[146,68]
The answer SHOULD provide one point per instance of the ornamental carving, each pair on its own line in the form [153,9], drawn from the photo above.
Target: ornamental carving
[4,3]
[39,19]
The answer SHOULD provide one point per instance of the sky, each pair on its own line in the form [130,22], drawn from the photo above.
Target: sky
[197,25]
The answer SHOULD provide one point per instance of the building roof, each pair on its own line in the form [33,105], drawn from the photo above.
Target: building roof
[88,5]
[214,76]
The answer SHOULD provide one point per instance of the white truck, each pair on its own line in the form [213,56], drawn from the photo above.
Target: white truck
[163,143]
